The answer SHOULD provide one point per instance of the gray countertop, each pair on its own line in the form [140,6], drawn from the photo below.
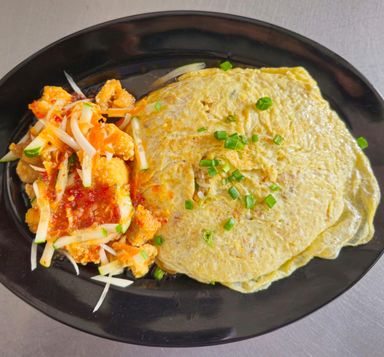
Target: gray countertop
[352,325]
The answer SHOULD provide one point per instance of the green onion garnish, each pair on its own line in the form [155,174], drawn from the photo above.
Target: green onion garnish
[226,65]
[278,139]
[362,142]
[158,240]
[212,171]
[208,237]
[264,103]
[188,204]
[200,130]
[237,175]
[158,274]
[144,254]
[274,187]
[226,167]
[249,201]
[224,181]
[255,138]
[233,192]
[231,118]
[229,224]
[270,201]
[234,142]
[119,228]
[157,106]
[104,232]
[243,139]
[220,135]
[206,163]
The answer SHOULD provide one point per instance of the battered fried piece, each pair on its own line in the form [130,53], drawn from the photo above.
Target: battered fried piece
[32,219]
[143,228]
[120,142]
[26,173]
[84,253]
[110,172]
[51,94]
[137,259]
[112,95]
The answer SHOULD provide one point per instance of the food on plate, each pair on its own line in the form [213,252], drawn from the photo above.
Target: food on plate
[228,175]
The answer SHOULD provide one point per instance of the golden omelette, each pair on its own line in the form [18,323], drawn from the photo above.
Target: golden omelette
[300,188]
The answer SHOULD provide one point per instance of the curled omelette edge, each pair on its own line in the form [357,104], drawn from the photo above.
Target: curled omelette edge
[327,193]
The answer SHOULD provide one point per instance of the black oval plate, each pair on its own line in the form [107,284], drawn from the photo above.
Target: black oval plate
[178,312]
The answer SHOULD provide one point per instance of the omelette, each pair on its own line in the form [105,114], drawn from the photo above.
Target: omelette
[254,175]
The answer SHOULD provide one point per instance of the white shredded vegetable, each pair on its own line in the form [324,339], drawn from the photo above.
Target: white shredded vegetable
[103,257]
[63,241]
[139,148]
[37,168]
[177,72]
[63,124]
[86,114]
[48,252]
[71,105]
[71,260]
[110,267]
[121,283]
[33,256]
[108,249]
[102,297]
[73,85]
[108,155]
[80,138]
[126,121]
[86,170]
[62,180]
[57,105]
[63,136]
[45,212]
[10,156]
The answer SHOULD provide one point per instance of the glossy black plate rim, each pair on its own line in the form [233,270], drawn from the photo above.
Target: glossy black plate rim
[41,306]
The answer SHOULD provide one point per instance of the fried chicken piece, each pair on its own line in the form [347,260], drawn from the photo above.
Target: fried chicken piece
[51,94]
[110,172]
[120,142]
[26,173]
[32,218]
[84,253]
[143,227]
[137,259]
[113,95]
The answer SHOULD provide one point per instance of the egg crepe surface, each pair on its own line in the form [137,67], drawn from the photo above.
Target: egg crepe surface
[327,197]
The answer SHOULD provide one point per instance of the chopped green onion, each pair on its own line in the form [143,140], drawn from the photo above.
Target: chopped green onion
[255,138]
[209,163]
[119,228]
[274,187]
[87,105]
[157,106]
[226,65]
[237,175]
[144,254]
[270,201]
[188,204]
[72,159]
[224,181]
[278,139]
[264,103]
[104,232]
[220,135]
[226,167]
[158,274]
[229,224]
[158,240]
[212,171]
[231,118]
[234,142]
[200,130]
[208,237]
[249,201]
[32,152]
[362,142]
[233,192]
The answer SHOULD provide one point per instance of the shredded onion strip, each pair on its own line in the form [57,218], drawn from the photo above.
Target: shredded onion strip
[102,297]
[140,152]
[103,257]
[45,213]
[66,240]
[108,249]
[62,180]
[73,85]
[177,72]
[62,135]
[37,168]
[10,156]
[48,252]
[71,260]
[125,122]
[121,283]
[80,138]
[33,256]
